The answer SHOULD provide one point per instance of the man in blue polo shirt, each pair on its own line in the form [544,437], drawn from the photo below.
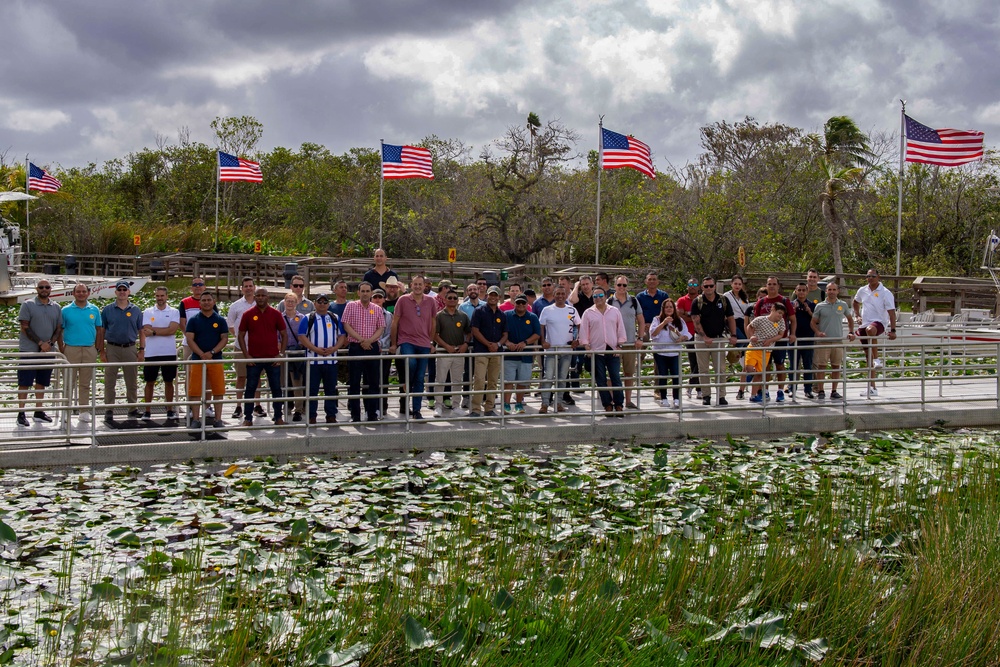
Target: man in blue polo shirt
[489,334]
[83,336]
[523,330]
[122,321]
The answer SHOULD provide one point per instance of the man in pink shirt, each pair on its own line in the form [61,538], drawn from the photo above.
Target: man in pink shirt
[602,330]
[412,333]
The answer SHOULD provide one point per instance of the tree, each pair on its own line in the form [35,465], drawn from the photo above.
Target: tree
[524,206]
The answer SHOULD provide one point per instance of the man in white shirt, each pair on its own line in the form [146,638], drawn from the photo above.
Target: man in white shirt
[876,308]
[560,325]
[160,324]
[233,317]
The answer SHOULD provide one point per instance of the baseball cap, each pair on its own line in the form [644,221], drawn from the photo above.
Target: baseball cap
[520,298]
[493,290]
[123,283]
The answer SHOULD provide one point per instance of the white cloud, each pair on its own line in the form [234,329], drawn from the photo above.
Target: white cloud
[34,120]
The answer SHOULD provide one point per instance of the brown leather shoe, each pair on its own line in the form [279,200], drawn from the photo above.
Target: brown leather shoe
[560,408]
[608,408]
[542,410]
[279,422]
[331,419]
[312,420]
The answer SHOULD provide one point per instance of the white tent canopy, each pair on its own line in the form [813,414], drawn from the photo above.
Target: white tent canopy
[15,196]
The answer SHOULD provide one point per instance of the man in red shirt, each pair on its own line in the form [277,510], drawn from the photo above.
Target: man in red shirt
[262,336]
[763,307]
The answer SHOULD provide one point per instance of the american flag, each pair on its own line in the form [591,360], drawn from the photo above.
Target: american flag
[947,148]
[41,180]
[619,151]
[406,162]
[232,168]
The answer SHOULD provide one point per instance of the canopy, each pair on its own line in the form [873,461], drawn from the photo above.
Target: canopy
[15,196]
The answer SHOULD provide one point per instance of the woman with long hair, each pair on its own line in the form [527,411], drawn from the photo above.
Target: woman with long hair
[667,334]
[738,299]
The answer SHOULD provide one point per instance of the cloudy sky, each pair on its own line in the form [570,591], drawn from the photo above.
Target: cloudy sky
[89,81]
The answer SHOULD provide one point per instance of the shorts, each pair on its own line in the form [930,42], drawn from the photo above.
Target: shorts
[828,355]
[516,371]
[756,359]
[862,332]
[240,366]
[780,352]
[152,369]
[628,363]
[32,375]
[216,379]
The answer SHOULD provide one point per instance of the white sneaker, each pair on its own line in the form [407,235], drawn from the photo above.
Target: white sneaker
[209,413]
[677,402]
[666,403]
[86,417]
[438,412]
[871,393]
[877,363]
[689,392]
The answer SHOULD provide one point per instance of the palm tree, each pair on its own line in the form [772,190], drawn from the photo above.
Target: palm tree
[843,155]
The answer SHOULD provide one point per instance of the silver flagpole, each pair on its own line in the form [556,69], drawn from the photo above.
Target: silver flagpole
[899,212]
[218,175]
[27,214]
[600,168]
[381,187]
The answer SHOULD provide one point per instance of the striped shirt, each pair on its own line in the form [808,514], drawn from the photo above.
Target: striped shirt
[364,321]
[323,333]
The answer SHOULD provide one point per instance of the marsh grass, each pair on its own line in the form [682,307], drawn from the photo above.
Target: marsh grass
[773,555]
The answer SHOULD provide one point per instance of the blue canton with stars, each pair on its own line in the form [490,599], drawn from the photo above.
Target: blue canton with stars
[613,140]
[392,153]
[920,132]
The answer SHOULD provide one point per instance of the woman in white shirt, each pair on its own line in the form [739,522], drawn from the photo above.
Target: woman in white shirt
[667,333]
[740,302]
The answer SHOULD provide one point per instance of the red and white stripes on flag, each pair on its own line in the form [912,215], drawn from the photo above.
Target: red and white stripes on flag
[41,180]
[619,151]
[406,162]
[945,147]
[232,168]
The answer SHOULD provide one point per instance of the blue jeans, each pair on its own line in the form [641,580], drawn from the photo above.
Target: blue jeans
[416,367]
[327,375]
[609,365]
[253,381]
[669,370]
[802,360]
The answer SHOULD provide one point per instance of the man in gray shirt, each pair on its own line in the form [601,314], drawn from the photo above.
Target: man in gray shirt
[827,325]
[41,327]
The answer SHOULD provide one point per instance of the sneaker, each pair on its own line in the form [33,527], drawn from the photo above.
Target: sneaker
[22,419]
[474,414]
[677,402]
[877,363]
[466,403]
[631,406]
[757,398]
[297,417]
[218,423]
[134,414]
[820,395]
[439,411]
[109,417]
[196,424]
[834,396]
[209,413]
[809,394]
[171,414]
[519,408]
[430,402]
[447,403]
[86,417]
[706,401]
[147,415]
[781,396]
[416,415]
[238,413]
[871,393]
[507,410]
[568,400]
[490,413]
[689,392]
[699,394]
[259,411]
[740,395]
[42,417]
[723,401]
[666,403]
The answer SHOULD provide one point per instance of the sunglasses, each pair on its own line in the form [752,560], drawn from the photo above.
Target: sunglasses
[45,287]
[709,286]
[377,296]
[621,285]
[197,284]
[692,284]
[451,298]
[299,285]
[598,295]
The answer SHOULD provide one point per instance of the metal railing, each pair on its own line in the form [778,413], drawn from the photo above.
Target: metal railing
[926,374]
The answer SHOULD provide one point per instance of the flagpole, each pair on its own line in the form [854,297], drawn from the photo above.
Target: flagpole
[899,212]
[218,175]
[381,186]
[600,168]
[27,214]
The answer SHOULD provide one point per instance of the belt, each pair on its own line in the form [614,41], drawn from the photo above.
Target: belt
[108,342]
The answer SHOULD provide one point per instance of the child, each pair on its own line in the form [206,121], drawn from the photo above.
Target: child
[764,331]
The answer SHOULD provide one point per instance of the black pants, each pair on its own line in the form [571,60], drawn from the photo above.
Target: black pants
[368,370]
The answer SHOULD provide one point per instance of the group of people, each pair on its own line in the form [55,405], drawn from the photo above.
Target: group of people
[452,339]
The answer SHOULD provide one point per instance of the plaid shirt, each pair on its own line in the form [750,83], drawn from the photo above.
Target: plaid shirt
[364,321]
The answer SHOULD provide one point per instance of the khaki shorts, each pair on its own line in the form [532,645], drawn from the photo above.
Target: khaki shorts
[240,366]
[828,355]
[629,360]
